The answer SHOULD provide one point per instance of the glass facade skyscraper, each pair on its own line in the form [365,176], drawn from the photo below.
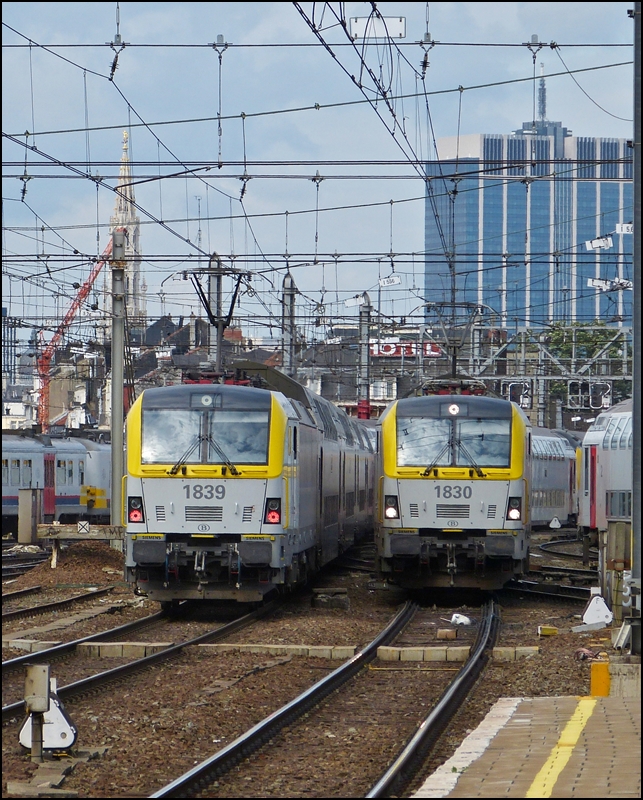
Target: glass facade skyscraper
[507,221]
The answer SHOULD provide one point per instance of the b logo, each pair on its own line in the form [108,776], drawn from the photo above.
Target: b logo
[204,528]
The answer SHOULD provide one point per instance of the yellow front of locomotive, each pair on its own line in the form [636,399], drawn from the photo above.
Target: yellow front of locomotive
[205,493]
[452,491]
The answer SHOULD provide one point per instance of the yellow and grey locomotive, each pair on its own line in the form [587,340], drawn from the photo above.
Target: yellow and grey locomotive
[453,480]
[235,491]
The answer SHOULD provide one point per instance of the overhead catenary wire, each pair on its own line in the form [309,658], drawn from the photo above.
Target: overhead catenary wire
[230,217]
[326,106]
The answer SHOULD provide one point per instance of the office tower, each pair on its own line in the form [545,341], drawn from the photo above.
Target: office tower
[509,218]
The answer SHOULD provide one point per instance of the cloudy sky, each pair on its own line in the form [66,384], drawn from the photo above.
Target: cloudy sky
[304,178]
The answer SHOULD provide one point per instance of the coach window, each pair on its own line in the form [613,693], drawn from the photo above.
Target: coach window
[26,472]
[5,471]
[15,472]
[608,433]
[626,432]
[81,472]
[617,432]
[70,472]
[61,472]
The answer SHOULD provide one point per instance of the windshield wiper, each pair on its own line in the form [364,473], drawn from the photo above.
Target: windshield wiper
[217,448]
[479,472]
[445,449]
[194,444]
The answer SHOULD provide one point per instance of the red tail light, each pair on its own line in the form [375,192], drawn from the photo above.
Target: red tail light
[135,509]
[273,511]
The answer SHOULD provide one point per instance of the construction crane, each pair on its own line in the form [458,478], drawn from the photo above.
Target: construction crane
[45,358]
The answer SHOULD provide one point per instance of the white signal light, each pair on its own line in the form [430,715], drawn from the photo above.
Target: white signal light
[454,409]
[514,509]
[391,507]
[206,400]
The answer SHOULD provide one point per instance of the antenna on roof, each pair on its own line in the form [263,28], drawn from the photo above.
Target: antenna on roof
[542,95]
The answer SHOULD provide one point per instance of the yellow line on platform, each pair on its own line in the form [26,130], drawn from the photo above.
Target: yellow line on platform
[545,781]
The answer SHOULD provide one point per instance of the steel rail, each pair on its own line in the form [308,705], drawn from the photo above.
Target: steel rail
[117,673]
[56,605]
[410,760]
[572,571]
[578,593]
[20,593]
[548,547]
[225,759]
[52,653]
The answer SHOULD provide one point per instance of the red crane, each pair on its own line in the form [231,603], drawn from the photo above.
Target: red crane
[45,358]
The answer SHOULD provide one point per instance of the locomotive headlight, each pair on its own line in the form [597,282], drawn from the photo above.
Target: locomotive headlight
[391,509]
[514,509]
[273,511]
[135,511]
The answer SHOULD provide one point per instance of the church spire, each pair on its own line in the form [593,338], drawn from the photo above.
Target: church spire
[125,196]
[125,216]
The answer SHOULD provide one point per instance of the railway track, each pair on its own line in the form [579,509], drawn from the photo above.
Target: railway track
[402,771]
[549,589]
[554,546]
[94,682]
[18,593]
[177,714]
[58,605]
[338,707]
[224,760]
[17,563]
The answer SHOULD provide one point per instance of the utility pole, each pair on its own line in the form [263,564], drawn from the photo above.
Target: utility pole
[288,325]
[635,618]
[118,359]
[364,384]
[215,293]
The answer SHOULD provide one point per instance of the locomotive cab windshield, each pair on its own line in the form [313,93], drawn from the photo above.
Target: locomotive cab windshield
[453,435]
[210,431]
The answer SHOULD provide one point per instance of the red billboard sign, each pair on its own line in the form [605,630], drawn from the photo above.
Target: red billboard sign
[406,349]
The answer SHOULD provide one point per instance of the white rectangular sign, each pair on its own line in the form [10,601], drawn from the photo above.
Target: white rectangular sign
[392,280]
[602,243]
[627,227]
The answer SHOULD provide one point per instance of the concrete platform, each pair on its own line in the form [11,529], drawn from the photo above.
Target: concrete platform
[567,747]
